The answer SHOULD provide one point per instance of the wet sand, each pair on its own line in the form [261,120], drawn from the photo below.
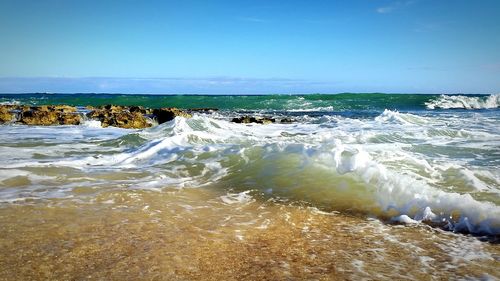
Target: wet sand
[203,234]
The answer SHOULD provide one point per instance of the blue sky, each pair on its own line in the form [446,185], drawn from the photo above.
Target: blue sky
[132,46]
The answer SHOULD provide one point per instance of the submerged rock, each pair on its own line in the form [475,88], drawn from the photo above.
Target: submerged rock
[287,120]
[260,120]
[252,119]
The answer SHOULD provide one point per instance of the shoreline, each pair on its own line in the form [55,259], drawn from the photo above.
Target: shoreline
[201,234]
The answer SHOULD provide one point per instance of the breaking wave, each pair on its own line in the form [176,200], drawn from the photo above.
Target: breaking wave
[464,102]
[370,166]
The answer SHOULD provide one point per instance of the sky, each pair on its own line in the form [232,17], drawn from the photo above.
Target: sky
[250,47]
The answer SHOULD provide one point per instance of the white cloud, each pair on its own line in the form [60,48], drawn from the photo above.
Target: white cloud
[394,6]
[384,10]
[252,19]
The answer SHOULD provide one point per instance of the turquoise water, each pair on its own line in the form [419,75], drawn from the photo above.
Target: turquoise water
[338,102]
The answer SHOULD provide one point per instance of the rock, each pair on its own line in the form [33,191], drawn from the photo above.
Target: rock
[163,115]
[49,115]
[133,117]
[70,119]
[23,108]
[98,114]
[251,119]
[203,109]
[40,108]
[113,108]
[64,108]
[5,114]
[139,109]
[50,108]
[287,120]
[119,117]
[9,106]
[130,120]
[35,117]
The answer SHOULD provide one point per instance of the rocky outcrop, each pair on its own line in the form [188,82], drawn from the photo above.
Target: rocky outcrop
[40,115]
[49,115]
[128,117]
[119,116]
[133,117]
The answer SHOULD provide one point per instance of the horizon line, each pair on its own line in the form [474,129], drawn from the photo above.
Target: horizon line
[239,94]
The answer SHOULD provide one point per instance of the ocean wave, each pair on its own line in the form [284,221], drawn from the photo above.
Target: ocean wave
[356,165]
[402,118]
[313,109]
[12,101]
[464,102]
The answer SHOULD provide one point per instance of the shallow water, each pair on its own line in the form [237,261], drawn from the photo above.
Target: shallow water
[350,190]
[201,234]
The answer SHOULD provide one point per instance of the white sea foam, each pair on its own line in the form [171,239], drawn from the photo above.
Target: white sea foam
[12,101]
[395,116]
[465,102]
[404,219]
[237,198]
[92,123]
[313,109]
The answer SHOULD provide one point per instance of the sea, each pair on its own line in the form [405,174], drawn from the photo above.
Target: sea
[356,187]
